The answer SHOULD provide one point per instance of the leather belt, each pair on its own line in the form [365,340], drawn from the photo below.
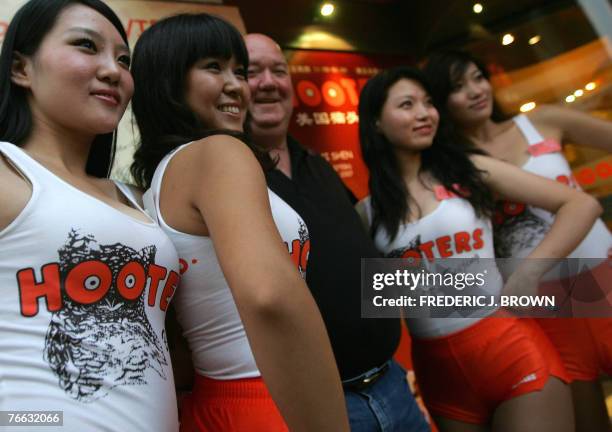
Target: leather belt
[366,379]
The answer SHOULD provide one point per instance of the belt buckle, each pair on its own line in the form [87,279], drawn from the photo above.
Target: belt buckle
[366,380]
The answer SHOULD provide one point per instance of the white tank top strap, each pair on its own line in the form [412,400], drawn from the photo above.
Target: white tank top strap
[151,196]
[128,192]
[21,161]
[149,205]
[10,149]
[442,193]
[528,130]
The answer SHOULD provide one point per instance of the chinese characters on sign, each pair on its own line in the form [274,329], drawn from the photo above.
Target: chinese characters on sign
[325,115]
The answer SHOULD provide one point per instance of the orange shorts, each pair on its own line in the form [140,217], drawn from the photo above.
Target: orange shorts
[584,295]
[464,376]
[584,344]
[230,406]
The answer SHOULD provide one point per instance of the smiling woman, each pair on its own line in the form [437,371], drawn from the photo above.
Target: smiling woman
[242,301]
[205,93]
[427,194]
[94,347]
[408,117]
[533,142]
[65,67]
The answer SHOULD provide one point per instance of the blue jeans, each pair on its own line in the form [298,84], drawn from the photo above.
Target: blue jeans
[385,406]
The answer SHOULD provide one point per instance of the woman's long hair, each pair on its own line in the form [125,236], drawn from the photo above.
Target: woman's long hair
[162,58]
[447,159]
[445,68]
[32,22]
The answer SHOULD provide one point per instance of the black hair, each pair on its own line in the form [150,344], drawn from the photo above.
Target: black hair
[32,22]
[444,68]
[162,58]
[447,159]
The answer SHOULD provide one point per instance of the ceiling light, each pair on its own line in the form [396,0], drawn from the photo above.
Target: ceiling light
[590,86]
[528,106]
[477,8]
[507,39]
[534,40]
[327,9]
[578,93]
[570,99]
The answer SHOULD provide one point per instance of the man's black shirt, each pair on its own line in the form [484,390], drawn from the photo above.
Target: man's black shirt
[338,241]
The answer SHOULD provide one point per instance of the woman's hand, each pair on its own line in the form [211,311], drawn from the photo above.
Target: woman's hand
[525,279]
[575,211]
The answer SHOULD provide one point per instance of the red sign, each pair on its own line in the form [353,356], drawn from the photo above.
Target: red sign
[327,86]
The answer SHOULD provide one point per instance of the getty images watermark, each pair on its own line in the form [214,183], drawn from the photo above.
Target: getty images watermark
[476,288]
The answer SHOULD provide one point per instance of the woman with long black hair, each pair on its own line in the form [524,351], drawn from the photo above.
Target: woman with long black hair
[532,142]
[245,311]
[85,275]
[429,199]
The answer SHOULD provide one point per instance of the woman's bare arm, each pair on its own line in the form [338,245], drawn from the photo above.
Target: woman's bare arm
[576,126]
[224,183]
[575,211]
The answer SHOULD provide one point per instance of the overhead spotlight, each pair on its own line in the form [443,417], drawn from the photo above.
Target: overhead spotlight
[507,39]
[528,106]
[477,8]
[570,99]
[327,9]
[578,93]
[534,40]
[590,86]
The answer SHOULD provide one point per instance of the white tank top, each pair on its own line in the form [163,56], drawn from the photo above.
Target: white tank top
[519,228]
[452,230]
[85,290]
[204,304]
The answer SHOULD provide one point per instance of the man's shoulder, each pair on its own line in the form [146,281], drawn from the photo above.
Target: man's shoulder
[300,154]
[296,148]
[314,166]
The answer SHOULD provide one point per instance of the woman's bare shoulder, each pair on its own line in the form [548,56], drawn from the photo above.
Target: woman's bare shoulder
[217,155]
[549,115]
